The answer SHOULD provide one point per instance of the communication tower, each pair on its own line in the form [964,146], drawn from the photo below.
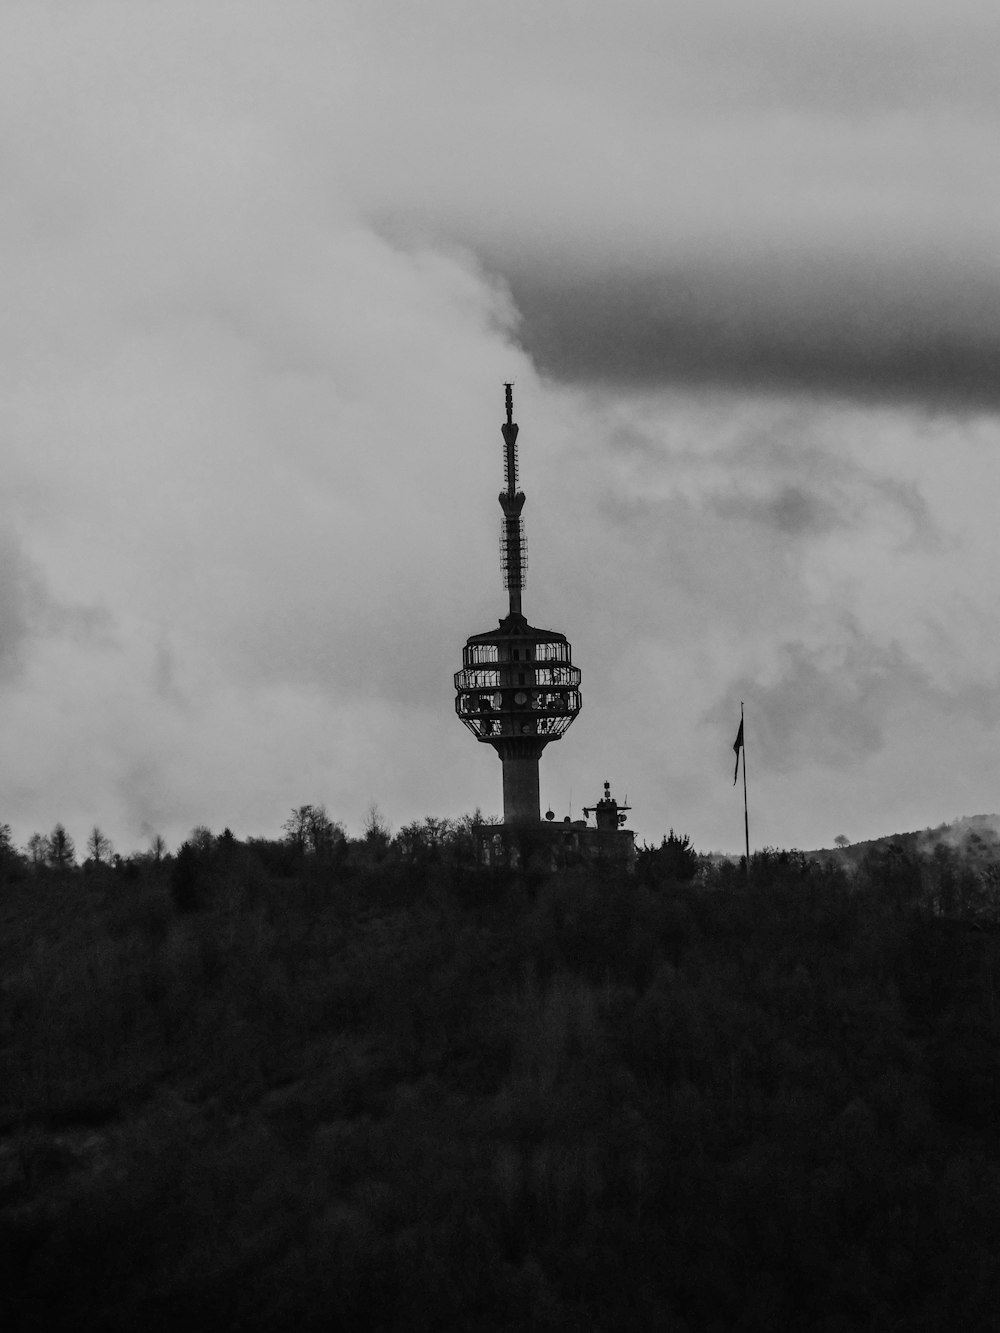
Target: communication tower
[518,688]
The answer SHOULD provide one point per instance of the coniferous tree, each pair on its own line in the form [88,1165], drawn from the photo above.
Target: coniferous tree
[674,860]
[186,876]
[61,851]
[11,862]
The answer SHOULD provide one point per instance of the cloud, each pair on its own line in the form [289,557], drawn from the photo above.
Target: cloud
[863,325]
[802,488]
[268,269]
[827,704]
[766,200]
[234,418]
[29,611]
[21,592]
[790,510]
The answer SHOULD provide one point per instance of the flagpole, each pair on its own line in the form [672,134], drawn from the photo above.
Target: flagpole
[746,816]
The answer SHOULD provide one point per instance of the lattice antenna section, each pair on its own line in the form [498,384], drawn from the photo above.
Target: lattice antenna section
[513,553]
[513,547]
[510,470]
[509,430]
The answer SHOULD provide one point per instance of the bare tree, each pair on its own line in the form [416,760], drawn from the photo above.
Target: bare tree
[325,833]
[37,850]
[99,847]
[296,827]
[202,839]
[375,828]
[377,833]
[311,830]
[157,848]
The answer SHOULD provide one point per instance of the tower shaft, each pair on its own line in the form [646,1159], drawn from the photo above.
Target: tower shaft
[521,800]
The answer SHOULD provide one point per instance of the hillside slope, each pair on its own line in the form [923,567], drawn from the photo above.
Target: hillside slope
[418,1096]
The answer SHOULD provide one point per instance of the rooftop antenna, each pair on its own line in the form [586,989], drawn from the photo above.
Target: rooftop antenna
[609,815]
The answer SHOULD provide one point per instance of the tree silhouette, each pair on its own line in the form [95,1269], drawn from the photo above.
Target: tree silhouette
[99,847]
[202,839]
[375,829]
[11,862]
[311,831]
[38,850]
[675,859]
[61,851]
[186,877]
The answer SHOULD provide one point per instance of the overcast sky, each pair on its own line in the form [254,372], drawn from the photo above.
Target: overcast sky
[265,269]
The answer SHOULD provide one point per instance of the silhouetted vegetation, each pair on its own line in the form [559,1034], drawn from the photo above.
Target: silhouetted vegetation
[318,1083]
[674,860]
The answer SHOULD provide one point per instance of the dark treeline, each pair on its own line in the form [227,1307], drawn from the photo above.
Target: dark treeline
[365,1084]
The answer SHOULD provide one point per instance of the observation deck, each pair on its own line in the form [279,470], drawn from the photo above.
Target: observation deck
[518,684]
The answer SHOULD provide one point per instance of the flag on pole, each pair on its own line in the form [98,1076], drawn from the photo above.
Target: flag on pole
[738,746]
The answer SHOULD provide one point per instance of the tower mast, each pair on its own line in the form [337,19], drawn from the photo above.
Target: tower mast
[512,548]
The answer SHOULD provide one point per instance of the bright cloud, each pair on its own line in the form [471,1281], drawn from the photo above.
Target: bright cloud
[267,268]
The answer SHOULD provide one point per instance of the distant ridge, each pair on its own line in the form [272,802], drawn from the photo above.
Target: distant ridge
[977,837]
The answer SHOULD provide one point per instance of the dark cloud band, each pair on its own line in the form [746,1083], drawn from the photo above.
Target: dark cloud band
[860,330]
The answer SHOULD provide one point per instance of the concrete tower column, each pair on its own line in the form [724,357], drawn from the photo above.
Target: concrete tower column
[521,800]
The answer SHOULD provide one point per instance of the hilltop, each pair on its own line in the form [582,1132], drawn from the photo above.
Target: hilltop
[975,837]
[373,1086]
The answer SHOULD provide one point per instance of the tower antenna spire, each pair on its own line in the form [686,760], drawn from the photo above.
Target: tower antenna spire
[513,549]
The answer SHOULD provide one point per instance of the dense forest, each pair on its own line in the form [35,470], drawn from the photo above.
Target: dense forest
[338,1084]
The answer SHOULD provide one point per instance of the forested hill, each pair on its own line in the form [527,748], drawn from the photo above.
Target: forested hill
[371,1087]
[963,854]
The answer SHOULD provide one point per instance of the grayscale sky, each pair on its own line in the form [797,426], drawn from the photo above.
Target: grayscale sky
[266,266]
